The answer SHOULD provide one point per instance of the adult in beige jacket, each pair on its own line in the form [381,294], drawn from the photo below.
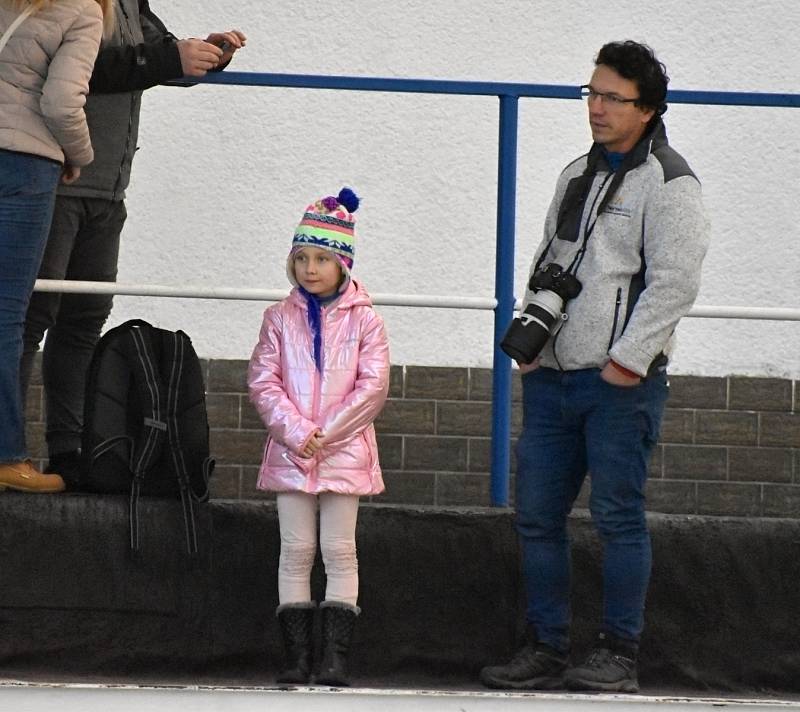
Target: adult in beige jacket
[46,58]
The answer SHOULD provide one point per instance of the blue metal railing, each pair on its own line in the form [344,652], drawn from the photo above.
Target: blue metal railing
[500,89]
[509,95]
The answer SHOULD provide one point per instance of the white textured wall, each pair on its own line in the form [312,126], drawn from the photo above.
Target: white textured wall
[224,173]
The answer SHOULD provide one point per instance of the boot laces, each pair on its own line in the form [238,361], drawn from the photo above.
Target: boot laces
[601,656]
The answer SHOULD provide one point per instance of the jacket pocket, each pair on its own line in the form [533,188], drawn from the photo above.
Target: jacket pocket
[614,323]
[368,451]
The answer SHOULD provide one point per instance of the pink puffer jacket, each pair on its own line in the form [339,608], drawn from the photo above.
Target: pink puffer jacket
[294,399]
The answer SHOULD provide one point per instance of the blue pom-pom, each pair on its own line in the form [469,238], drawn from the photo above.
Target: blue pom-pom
[348,199]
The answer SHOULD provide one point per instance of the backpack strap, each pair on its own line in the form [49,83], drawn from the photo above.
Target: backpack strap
[174,355]
[147,382]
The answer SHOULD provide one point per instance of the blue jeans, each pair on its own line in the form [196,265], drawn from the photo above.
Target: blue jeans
[27,192]
[574,423]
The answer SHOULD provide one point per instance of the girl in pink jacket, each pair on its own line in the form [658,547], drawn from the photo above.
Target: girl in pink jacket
[318,377]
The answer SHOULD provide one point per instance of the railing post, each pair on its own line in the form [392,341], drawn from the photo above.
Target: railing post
[504,293]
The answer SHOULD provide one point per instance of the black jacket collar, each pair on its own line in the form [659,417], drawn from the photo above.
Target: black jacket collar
[649,142]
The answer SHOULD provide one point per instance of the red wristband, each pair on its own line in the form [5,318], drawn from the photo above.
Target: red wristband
[625,371]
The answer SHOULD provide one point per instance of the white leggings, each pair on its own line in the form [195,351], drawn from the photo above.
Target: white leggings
[297,516]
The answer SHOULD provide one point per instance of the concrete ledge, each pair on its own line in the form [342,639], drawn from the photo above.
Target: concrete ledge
[440,592]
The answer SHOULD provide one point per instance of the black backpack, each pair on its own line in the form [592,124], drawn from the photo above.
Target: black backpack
[145,422]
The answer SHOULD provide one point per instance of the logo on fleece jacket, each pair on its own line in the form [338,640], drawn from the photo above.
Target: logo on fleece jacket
[617,207]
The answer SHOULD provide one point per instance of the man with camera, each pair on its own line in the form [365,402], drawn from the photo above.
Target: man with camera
[619,265]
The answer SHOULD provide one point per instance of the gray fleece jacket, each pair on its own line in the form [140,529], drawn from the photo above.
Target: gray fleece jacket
[645,235]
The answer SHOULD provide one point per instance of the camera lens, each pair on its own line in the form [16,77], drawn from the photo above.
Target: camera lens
[530,331]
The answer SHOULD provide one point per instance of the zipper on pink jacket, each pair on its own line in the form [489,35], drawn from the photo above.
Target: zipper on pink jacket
[318,377]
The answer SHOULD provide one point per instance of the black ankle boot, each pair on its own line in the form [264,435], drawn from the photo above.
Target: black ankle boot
[338,621]
[297,623]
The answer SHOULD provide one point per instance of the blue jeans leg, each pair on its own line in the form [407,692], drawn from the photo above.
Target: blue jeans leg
[622,428]
[27,192]
[551,466]
[574,422]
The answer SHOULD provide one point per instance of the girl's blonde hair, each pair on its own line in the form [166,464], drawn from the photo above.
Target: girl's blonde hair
[107,6]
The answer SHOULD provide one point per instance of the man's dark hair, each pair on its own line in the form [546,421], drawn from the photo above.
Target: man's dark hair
[638,63]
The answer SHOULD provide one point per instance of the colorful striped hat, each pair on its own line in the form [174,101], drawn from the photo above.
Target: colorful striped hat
[328,223]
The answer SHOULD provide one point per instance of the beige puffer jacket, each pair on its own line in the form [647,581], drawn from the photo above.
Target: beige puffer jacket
[44,79]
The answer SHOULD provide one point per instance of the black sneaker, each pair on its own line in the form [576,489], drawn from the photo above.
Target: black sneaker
[535,667]
[610,667]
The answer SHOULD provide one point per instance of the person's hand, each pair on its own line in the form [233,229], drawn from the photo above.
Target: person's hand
[198,57]
[229,42]
[314,444]
[613,375]
[69,174]
[528,367]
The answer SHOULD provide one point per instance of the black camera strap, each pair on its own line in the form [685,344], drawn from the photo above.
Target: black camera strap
[576,261]
[544,253]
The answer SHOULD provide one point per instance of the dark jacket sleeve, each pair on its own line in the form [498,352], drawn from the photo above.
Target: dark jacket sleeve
[131,68]
[152,27]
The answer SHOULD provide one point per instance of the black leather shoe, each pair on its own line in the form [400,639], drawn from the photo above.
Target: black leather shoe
[69,466]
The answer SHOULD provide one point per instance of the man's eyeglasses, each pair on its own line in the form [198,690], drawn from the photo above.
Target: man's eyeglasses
[609,99]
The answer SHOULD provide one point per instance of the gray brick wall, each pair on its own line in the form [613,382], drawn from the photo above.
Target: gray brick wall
[729,446]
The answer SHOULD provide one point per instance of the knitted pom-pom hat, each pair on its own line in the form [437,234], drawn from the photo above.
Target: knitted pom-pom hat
[328,224]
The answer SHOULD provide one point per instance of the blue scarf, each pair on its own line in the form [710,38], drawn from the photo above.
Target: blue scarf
[315,305]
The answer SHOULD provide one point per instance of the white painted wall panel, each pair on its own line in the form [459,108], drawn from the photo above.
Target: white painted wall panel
[224,173]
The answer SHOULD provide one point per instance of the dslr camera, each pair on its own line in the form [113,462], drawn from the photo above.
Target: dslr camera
[544,315]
